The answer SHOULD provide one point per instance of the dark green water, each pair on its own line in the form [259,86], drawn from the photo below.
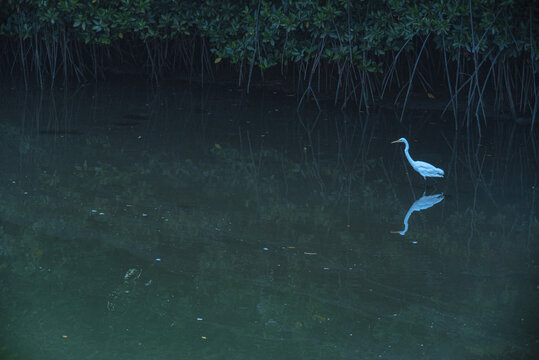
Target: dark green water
[205,224]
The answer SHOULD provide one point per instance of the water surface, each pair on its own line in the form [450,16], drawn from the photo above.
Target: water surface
[204,223]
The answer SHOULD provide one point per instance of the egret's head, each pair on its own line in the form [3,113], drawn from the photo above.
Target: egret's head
[399,140]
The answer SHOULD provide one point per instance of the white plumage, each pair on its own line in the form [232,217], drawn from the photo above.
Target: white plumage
[423,168]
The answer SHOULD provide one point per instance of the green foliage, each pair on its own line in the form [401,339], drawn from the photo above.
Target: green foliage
[357,50]
[286,31]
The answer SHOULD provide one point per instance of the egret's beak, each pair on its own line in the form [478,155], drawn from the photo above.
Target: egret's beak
[396,141]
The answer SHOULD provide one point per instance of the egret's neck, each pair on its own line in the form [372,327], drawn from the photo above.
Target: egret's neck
[408,154]
[408,214]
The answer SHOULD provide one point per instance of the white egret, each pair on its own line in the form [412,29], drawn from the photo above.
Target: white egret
[423,168]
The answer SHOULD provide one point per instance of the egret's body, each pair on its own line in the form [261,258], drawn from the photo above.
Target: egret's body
[423,168]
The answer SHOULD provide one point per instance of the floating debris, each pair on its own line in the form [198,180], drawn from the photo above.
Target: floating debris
[131,272]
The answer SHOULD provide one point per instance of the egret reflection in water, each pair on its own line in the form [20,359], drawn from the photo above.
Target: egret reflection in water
[425,202]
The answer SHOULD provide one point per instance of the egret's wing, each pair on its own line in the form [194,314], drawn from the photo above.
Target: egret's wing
[428,170]
[426,202]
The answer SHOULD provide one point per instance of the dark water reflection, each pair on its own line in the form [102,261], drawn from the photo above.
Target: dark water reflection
[207,224]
